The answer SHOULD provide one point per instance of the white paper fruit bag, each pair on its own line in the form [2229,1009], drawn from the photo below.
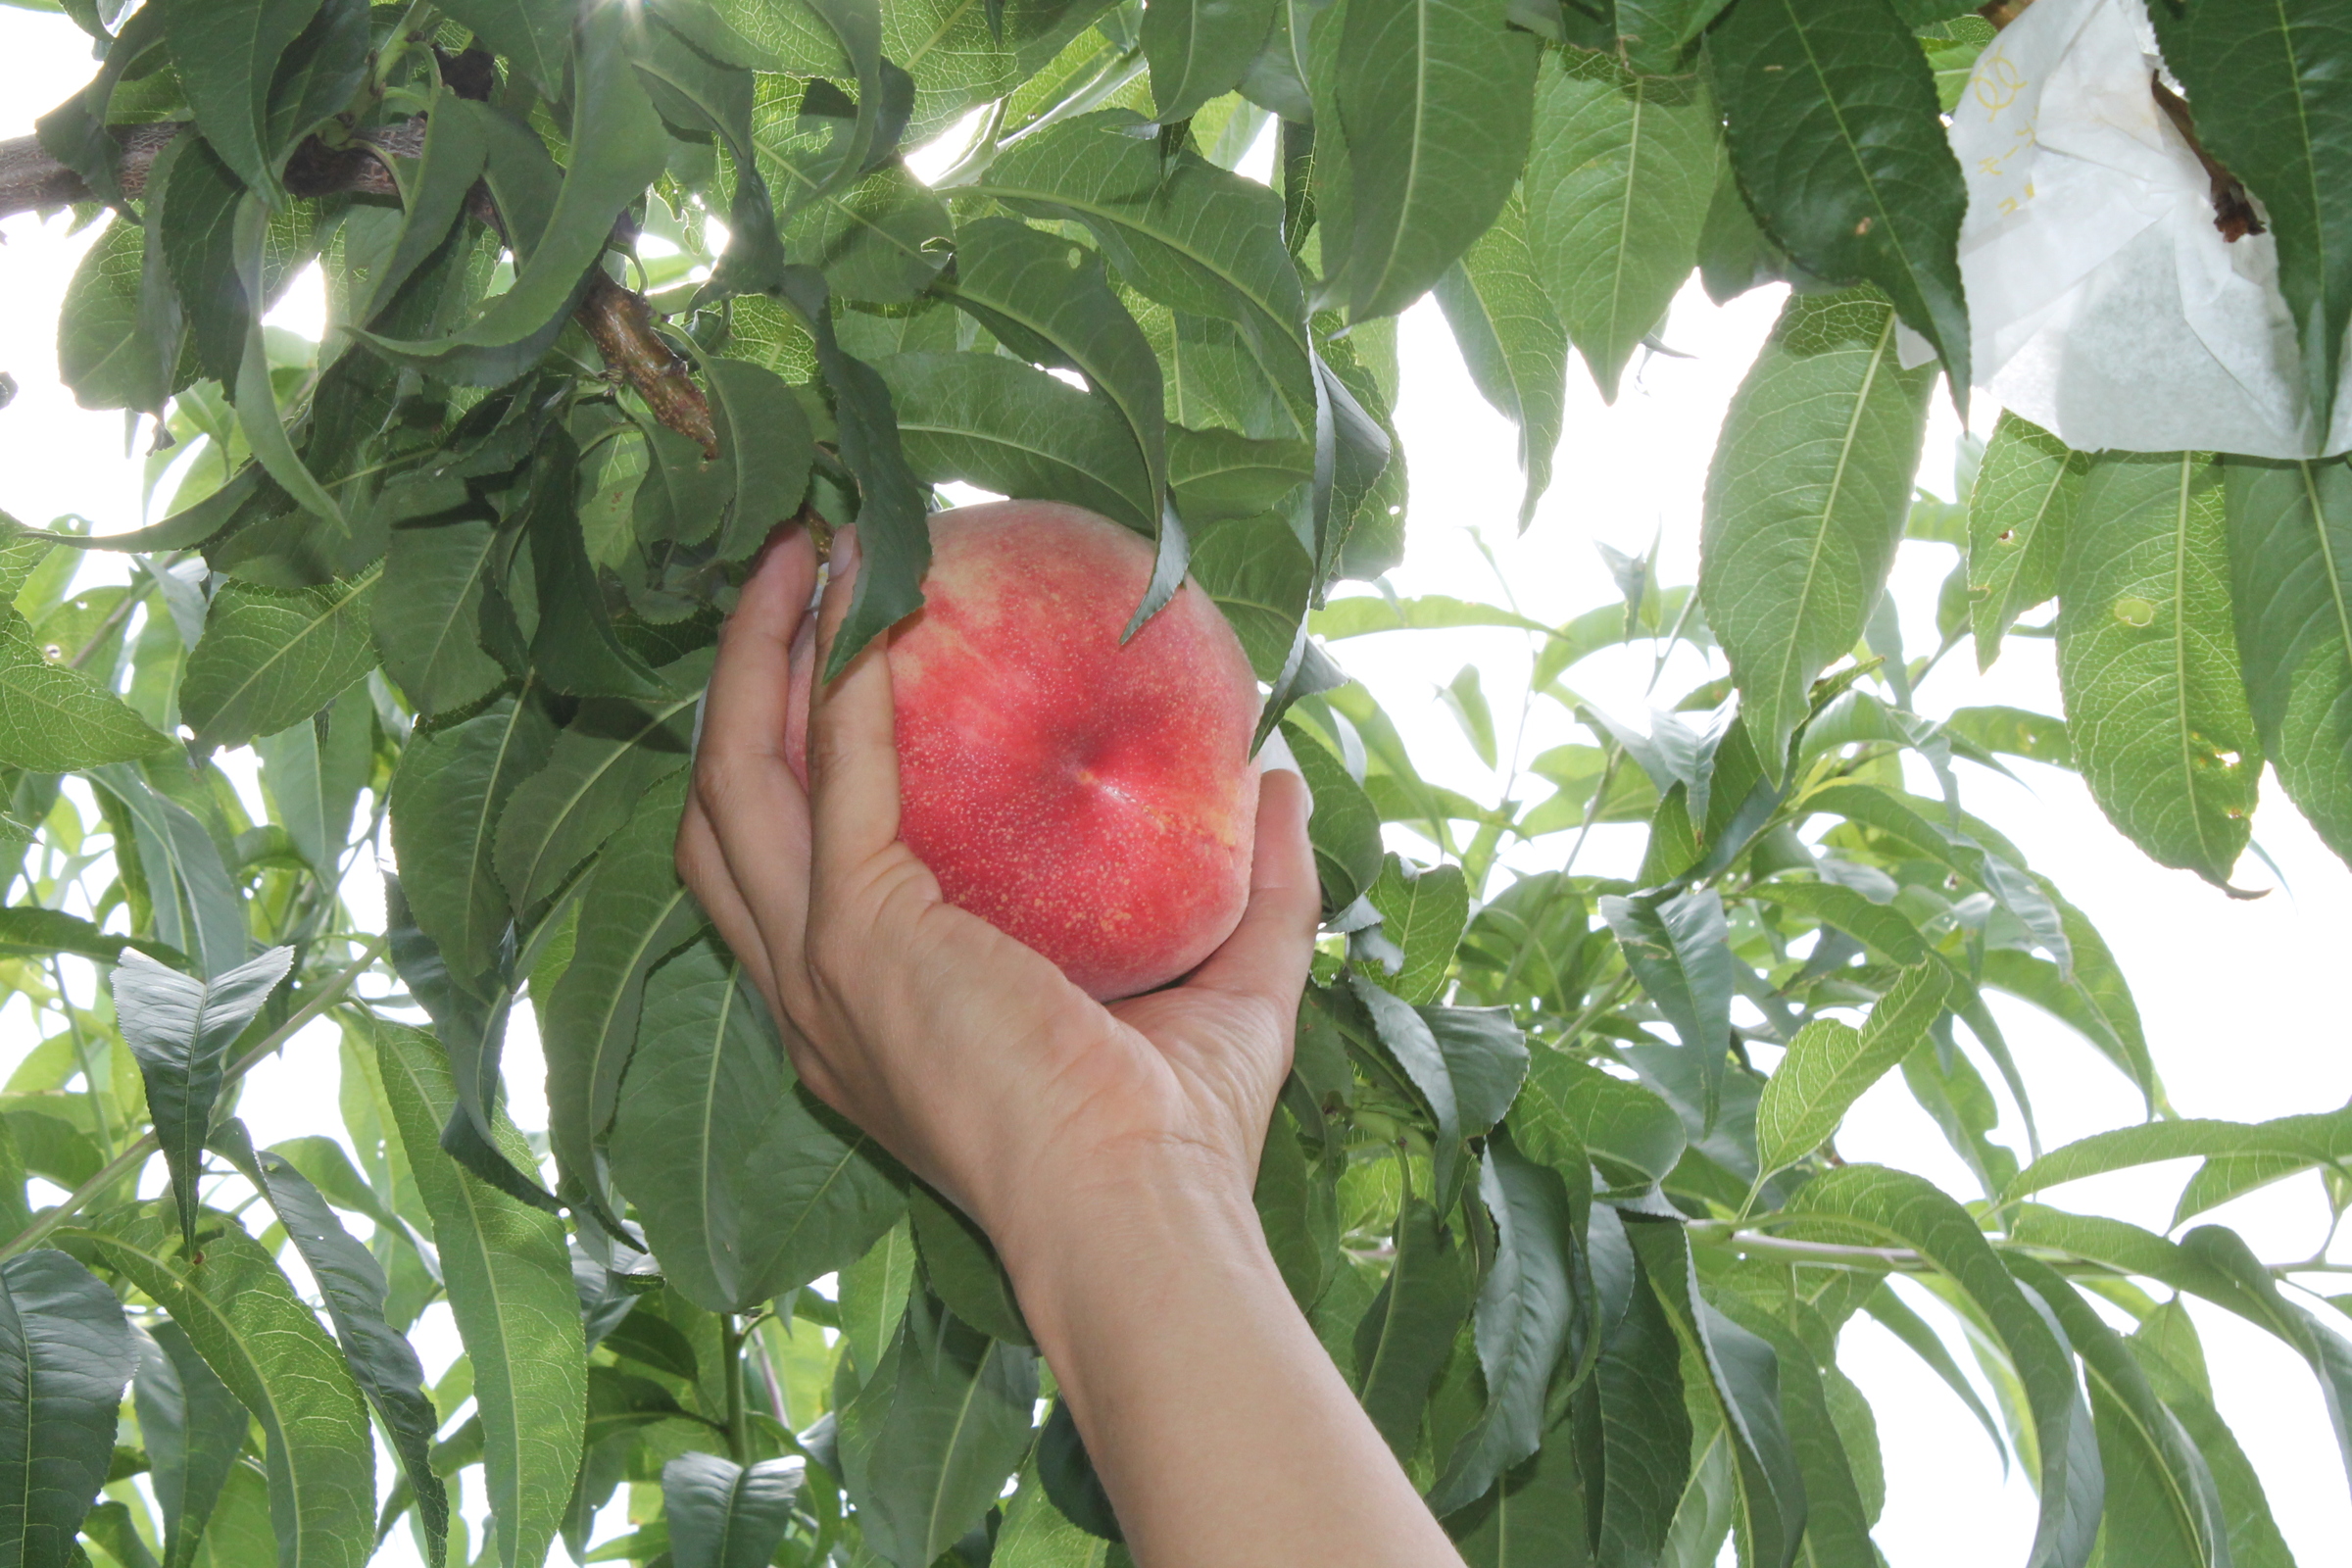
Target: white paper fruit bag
[2105,305]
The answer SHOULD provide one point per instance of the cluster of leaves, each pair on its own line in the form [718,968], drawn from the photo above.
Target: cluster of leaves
[1584,1258]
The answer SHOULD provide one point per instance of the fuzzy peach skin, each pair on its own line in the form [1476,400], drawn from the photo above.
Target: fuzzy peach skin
[1094,800]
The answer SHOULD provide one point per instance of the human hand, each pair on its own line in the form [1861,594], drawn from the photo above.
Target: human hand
[968,1054]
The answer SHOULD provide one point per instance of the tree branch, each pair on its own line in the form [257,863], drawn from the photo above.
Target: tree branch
[616,319]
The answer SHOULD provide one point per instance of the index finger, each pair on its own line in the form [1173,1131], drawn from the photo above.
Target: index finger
[853,744]
[755,813]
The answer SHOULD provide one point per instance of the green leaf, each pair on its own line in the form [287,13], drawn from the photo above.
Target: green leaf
[446,797]
[955,1428]
[30,930]
[1829,1067]
[696,91]
[1644,1429]
[1744,1386]
[1972,849]
[322,1162]
[1342,825]
[2290,579]
[193,1429]
[2163,1508]
[313,770]
[1047,300]
[2148,661]
[65,1351]
[1676,946]
[894,535]
[1014,429]
[1656,33]
[2095,1000]
[725,1515]
[226,53]
[1806,498]
[256,399]
[353,1285]
[1374,612]
[1261,578]
[1837,1512]
[2167,1349]
[1859,1202]
[1486,1061]
[745,1189]
[2018,731]
[1404,1339]
[427,622]
[1512,341]
[617,149]
[765,447]
[471,1022]
[55,719]
[2272,108]
[510,1289]
[1619,176]
[1403,1041]
[535,34]
[319,72]
[597,773]
[882,238]
[195,229]
[76,133]
[271,656]
[634,912]
[1298,1208]
[1197,50]
[1423,910]
[1521,1319]
[118,329]
[2313,1140]
[1881,926]
[1535,1519]
[1036,1535]
[180,1029]
[2028,487]
[1218,475]
[961,1266]
[1435,95]
[456,143]
[1838,140]
[872,1298]
[1189,235]
[1570,1109]
[195,908]
[243,1316]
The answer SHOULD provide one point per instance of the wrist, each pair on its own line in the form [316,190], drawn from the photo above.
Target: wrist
[1118,1225]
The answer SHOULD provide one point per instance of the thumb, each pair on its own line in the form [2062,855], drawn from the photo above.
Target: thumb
[1267,956]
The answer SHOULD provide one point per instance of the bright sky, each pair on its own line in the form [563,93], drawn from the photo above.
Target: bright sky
[2242,1001]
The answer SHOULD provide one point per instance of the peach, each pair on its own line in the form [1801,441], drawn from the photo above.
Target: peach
[1095,799]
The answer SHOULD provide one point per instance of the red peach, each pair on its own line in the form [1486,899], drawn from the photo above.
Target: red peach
[1095,799]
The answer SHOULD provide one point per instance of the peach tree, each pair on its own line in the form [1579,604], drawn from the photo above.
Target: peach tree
[619,288]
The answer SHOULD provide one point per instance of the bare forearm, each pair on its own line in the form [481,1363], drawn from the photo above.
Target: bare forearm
[1221,1429]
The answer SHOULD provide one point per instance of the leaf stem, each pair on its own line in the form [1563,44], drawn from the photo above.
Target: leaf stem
[136,1154]
[738,1429]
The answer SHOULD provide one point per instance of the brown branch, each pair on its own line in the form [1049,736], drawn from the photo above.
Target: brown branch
[621,324]
[2232,209]
[616,319]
